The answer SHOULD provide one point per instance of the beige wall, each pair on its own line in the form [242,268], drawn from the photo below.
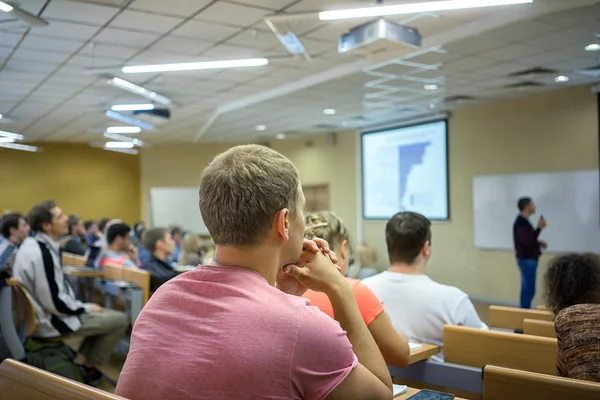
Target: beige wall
[321,163]
[545,132]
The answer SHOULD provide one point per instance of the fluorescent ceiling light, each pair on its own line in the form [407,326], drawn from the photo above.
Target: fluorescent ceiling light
[124,151]
[414,8]
[119,145]
[5,7]
[123,129]
[329,111]
[6,140]
[140,91]
[260,127]
[11,135]
[22,147]
[430,86]
[129,120]
[132,107]
[122,138]
[561,78]
[251,62]
[280,136]
[592,47]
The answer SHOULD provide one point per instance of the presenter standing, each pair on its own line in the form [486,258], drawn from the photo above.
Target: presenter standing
[528,248]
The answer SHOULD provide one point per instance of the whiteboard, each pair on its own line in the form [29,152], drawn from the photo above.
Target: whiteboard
[177,205]
[568,200]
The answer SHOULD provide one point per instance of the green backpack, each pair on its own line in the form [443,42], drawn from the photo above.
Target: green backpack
[55,357]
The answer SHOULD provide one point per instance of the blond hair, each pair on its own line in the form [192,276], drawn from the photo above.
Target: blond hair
[326,225]
[189,246]
[242,189]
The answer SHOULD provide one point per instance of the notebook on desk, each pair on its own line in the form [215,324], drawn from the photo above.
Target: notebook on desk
[399,389]
[414,346]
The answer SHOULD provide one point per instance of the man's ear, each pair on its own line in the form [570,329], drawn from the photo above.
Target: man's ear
[345,251]
[426,249]
[282,224]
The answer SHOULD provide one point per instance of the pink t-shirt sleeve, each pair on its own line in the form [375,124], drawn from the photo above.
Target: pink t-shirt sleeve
[322,356]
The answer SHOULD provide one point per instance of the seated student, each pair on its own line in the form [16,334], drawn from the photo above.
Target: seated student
[364,267]
[225,331]
[418,306]
[160,245]
[118,247]
[177,235]
[14,231]
[191,252]
[91,232]
[74,241]
[393,346]
[58,312]
[573,294]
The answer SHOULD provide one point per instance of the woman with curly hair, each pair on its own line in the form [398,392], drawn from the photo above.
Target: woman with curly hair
[573,294]
[393,346]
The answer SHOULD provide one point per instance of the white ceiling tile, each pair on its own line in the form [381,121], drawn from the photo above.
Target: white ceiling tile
[562,39]
[205,31]
[10,38]
[183,8]
[142,21]
[48,44]
[126,38]
[271,4]
[181,45]
[30,67]
[23,54]
[474,44]
[65,30]
[80,12]
[320,5]
[224,51]
[522,31]
[513,51]
[232,14]
[259,39]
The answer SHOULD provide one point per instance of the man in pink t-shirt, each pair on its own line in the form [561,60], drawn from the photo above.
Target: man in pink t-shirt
[238,329]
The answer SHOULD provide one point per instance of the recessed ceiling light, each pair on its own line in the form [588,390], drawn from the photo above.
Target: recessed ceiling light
[251,62]
[430,86]
[132,107]
[11,135]
[561,78]
[5,7]
[592,47]
[260,127]
[140,91]
[123,129]
[329,111]
[119,145]
[414,8]
[280,136]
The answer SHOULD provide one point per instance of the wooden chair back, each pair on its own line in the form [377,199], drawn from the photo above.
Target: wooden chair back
[478,348]
[19,381]
[536,327]
[72,260]
[512,318]
[113,272]
[141,278]
[503,383]
[541,307]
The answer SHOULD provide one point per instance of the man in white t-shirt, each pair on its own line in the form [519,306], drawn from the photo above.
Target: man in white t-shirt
[418,306]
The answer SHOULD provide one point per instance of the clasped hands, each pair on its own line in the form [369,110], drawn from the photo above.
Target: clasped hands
[316,269]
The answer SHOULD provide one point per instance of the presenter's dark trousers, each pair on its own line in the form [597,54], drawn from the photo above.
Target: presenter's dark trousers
[528,268]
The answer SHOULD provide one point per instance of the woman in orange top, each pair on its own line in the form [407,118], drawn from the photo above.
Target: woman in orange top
[393,346]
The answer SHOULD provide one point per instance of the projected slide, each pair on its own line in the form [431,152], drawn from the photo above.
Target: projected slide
[405,169]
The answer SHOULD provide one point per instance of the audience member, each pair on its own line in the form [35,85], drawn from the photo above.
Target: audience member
[364,265]
[573,293]
[74,241]
[215,324]
[191,252]
[58,312]
[160,245]
[118,248]
[392,345]
[102,227]
[177,235]
[14,230]
[91,232]
[418,306]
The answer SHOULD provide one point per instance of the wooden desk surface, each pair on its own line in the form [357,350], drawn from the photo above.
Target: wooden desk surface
[423,353]
[84,274]
[411,391]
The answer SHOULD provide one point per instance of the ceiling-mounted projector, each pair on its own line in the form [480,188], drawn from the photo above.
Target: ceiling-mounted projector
[380,35]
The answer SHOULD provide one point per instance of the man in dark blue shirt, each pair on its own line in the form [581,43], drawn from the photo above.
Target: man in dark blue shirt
[528,248]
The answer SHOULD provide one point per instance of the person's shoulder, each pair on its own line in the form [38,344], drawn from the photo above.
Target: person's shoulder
[374,279]
[452,292]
